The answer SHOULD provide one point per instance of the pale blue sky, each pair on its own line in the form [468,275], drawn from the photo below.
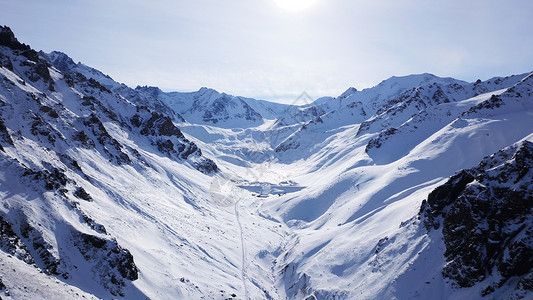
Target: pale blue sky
[255,48]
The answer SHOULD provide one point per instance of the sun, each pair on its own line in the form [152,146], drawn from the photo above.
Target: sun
[295,5]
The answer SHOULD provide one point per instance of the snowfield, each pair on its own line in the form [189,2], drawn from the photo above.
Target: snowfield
[112,192]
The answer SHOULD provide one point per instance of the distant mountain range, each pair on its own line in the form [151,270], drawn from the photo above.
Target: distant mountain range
[418,188]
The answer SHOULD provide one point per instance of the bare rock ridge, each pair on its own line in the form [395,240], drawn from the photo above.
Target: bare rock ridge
[485,214]
[419,187]
[50,117]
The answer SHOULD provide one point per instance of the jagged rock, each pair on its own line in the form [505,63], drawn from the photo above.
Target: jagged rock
[50,111]
[12,244]
[493,102]
[287,145]
[169,139]
[86,141]
[350,91]
[93,224]
[6,62]
[53,180]
[8,39]
[40,127]
[378,142]
[110,145]
[50,262]
[39,71]
[486,217]
[5,137]
[62,61]
[82,194]
[95,84]
[112,264]
[157,125]
[206,166]
[217,107]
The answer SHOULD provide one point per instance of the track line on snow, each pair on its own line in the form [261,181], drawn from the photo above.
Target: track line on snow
[243,249]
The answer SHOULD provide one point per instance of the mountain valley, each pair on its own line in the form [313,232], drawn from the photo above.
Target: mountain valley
[420,187]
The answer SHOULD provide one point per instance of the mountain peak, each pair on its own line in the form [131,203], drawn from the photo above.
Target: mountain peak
[150,89]
[350,91]
[61,61]
[409,79]
[397,84]
[205,90]
[7,38]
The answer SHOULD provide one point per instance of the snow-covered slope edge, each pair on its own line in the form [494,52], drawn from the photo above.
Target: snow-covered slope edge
[355,205]
[104,188]
[92,183]
[486,219]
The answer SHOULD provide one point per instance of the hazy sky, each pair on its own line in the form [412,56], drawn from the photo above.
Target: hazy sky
[261,49]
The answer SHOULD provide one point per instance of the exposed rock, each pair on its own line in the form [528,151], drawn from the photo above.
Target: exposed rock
[206,166]
[110,145]
[169,139]
[5,137]
[52,180]
[62,61]
[8,39]
[350,91]
[82,194]
[486,218]
[112,264]
[39,71]
[6,62]
[493,102]
[82,137]
[50,262]
[12,244]
[157,125]
[383,136]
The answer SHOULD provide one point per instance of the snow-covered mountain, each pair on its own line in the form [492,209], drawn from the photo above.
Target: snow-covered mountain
[417,188]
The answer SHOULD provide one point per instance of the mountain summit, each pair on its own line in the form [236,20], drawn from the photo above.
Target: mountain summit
[417,188]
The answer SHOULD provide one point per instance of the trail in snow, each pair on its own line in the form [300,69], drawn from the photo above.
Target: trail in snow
[243,249]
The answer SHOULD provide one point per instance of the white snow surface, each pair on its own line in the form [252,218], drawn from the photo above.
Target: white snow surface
[325,216]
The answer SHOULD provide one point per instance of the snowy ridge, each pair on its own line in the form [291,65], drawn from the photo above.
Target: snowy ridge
[113,192]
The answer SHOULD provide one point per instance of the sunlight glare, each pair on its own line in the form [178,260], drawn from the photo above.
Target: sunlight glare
[295,5]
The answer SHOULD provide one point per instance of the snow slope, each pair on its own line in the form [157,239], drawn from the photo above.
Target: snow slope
[113,192]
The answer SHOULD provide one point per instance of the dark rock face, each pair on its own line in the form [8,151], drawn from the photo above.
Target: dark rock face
[113,264]
[401,108]
[11,243]
[51,264]
[4,134]
[486,214]
[40,127]
[169,140]
[39,71]
[148,96]
[223,108]
[8,39]
[52,180]
[158,124]
[62,61]
[110,145]
[378,142]
[82,194]
[493,102]
[85,140]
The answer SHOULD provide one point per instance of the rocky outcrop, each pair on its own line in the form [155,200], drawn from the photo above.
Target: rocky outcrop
[11,243]
[157,124]
[168,139]
[486,218]
[8,39]
[5,137]
[110,145]
[111,264]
